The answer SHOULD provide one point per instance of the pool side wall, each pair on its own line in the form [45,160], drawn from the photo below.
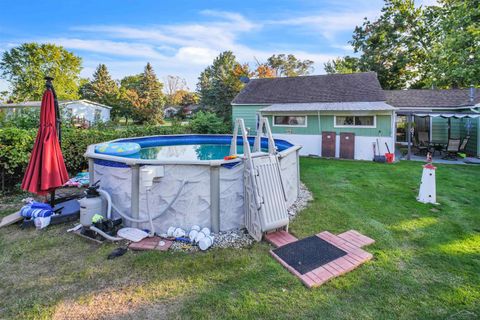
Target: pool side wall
[194,204]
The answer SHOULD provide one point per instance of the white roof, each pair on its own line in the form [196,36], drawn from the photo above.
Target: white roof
[36,104]
[330,106]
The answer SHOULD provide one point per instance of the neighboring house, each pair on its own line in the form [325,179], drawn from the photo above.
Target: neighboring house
[170,111]
[81,109]
[191,109]
[308,109]
[441,114]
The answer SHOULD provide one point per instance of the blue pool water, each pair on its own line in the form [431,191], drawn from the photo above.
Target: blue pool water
[188,152]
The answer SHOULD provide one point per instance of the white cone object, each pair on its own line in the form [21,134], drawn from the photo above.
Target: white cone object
[428,192]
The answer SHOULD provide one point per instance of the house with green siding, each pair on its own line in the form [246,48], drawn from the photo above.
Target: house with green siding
[440,114]
[336,115]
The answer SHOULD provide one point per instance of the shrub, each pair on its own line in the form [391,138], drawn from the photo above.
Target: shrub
[15,147]
[208,122]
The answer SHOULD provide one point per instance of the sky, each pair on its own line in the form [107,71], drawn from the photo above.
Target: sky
[183,37]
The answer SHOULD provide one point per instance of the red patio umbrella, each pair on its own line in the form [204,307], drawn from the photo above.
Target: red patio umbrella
[46,169]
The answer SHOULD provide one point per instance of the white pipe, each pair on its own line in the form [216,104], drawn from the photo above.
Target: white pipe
[103,234]
[109,202]
[184,182]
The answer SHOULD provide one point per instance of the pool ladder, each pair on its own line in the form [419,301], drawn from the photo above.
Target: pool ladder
[264,193]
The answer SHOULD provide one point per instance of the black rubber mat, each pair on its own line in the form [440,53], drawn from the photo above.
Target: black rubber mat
[308,254]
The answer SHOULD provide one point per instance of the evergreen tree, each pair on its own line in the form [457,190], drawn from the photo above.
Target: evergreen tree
[102,89]
[151,97]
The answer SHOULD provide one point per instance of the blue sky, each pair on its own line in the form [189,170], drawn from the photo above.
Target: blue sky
[182,37]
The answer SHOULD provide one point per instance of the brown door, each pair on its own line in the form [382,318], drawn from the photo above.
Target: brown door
[328,144]
[347,145]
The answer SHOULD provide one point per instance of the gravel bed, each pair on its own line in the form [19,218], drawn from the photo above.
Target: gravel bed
[239,238]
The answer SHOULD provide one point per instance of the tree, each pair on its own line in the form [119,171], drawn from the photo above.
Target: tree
[219,84]
[25,67]
[183,98]
[102,89]
[151,98]
[455,55]
[174,84]
[346,64]
[289,65]
[395,46]
[264,71]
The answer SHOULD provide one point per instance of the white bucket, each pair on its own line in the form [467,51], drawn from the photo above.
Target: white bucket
[206,231]
[178,233]
[205,243]
[170,231]
[175,232]
[202,234]
[193,234]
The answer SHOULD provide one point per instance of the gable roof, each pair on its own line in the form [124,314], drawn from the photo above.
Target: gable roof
[432,99]
[309,89]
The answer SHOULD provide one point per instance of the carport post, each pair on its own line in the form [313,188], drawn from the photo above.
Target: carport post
[409,135]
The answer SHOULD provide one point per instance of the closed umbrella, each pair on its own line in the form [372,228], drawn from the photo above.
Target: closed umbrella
[46,169]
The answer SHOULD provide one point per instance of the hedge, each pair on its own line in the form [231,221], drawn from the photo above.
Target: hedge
[16,145]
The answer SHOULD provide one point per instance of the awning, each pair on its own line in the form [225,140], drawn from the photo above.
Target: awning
[448,115]
[329,106]
[436,114]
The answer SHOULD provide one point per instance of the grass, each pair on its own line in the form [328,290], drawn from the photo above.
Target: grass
[426,260]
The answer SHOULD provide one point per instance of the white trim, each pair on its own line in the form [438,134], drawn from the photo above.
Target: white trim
[354,126]
[250,104]
[289,125]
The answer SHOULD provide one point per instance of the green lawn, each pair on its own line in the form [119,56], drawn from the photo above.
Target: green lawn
[426,260]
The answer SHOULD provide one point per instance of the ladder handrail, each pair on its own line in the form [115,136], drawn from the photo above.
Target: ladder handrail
[257,146]
[240,124]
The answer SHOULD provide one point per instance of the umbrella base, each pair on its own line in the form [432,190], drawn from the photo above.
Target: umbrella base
[69,211]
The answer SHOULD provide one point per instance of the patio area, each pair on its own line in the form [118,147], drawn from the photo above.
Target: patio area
[437,158]
[449,137]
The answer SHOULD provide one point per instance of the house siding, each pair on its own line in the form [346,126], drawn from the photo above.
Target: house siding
[383,127]
[311,128]
[326,123]
[249,115]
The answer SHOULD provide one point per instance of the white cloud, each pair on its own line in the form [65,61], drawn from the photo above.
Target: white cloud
[109,47]
[327,24]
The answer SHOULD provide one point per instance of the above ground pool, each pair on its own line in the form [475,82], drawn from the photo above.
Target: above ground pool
[184,176]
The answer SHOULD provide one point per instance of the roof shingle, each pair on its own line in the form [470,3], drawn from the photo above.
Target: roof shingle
[307,89]
[431,99]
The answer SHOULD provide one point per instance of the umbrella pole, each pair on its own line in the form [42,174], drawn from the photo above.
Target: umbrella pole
[52,198]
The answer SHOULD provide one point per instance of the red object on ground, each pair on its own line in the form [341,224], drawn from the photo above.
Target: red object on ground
[430,166]
[389,157]
[46,169]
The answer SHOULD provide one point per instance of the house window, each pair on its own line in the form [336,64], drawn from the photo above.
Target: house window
[355,121]
[290,121]
[97,116]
